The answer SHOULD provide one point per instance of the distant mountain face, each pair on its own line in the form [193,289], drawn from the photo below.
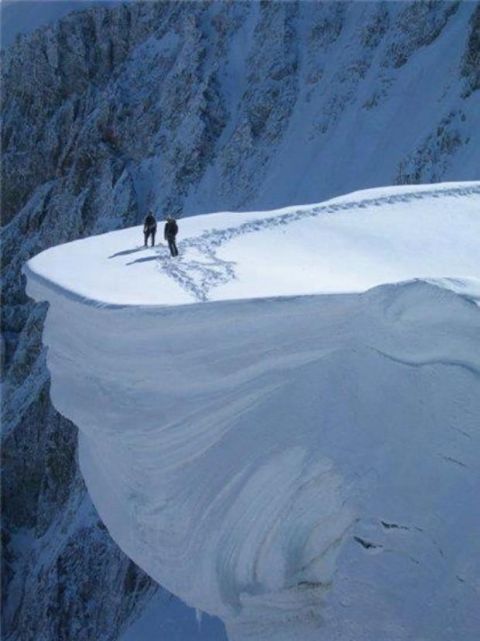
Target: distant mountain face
[188,108]
[24,16]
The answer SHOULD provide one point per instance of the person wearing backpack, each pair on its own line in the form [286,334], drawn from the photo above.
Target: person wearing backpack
[149,228]
[170,232]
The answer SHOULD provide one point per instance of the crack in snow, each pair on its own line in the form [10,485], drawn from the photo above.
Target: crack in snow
[450,459]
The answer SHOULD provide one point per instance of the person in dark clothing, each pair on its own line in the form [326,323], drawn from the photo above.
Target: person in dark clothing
[149,228]
[170,233]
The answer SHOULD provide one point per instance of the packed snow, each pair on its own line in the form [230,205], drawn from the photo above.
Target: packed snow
[305,467]
[347,244]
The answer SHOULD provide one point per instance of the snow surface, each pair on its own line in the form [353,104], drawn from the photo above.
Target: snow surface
[304,467]
[347,244]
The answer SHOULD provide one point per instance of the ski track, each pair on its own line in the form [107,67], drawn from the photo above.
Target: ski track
[199,276]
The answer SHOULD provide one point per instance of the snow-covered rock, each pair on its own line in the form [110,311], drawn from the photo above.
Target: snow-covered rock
[21,18]
[230,106]
[304,467]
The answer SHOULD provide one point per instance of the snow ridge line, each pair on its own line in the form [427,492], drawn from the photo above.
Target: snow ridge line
[198,277]
[471,367]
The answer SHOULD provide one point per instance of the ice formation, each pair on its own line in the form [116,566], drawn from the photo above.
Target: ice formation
[281,426]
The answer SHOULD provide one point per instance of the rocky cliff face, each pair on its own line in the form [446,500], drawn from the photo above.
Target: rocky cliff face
[186,108]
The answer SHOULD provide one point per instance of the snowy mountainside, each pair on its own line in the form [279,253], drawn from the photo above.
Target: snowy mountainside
[25,16]
[193,108]
[304,467]
[238,105]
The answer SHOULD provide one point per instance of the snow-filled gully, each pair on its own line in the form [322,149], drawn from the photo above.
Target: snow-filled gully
[303,467]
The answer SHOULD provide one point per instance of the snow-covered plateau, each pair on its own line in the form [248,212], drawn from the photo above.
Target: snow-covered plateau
[281,426]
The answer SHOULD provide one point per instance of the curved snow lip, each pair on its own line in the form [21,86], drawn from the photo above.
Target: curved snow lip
[275,461]
[256,456]
[468,288]
[347,244]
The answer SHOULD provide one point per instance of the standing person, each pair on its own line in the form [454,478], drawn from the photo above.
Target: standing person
[149,228]
[170,233]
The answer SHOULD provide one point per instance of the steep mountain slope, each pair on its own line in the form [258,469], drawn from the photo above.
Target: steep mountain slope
[26,16]
[303,467]
[189,107]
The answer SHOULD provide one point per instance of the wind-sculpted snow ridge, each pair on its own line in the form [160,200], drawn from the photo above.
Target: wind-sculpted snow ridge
[192,107]
[199,277]
[349,243]
[304,467]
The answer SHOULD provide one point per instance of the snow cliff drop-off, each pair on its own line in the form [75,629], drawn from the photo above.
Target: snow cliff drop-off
[299,456]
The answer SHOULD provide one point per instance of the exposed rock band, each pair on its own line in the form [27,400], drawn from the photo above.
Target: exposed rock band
[169,233]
